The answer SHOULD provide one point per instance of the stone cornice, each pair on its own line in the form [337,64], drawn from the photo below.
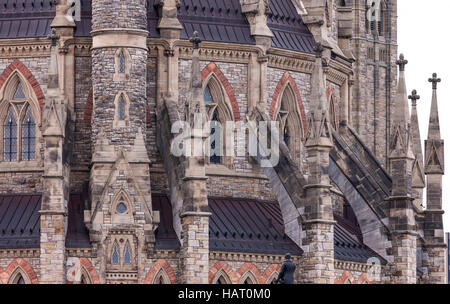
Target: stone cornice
[353,266]
[248,257]
[23,253]
[20,48]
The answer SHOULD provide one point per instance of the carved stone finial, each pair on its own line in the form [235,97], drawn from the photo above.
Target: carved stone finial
[414,97]
[318,49]
[53,37]
[434,80]
[195,40]
[402,62]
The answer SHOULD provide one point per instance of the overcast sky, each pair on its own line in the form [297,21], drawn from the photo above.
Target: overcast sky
[423,38]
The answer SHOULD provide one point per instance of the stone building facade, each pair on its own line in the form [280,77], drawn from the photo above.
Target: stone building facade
[91,191]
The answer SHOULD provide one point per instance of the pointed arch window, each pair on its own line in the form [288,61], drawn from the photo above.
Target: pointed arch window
[10,137]
[115,254]
[121,109]
[289,119]
[127,254]
[29,136]
[332,113]
[221,280]
[220,113]
[18,122]
[121,63]
[215,139]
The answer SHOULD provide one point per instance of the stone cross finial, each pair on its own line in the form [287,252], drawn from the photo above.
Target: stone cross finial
[318,49]
[195,40]
[434,80]
[53,37]
[414,97]
[402,62]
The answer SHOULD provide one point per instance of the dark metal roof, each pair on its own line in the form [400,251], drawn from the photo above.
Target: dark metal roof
[25,18]
[243,225]
[215,20]
[236,225]
[288,28]
[77,233]
[165,235]
[19,221]
[348,244]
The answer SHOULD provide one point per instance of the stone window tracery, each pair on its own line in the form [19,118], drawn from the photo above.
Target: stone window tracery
[220,114]
[19,122]
[122,110]
[122,65]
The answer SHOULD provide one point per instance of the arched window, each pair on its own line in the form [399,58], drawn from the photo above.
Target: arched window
[28,136]
[127,254]
[20,280]
[288,116]
[249,278]
[19,277]
[122,65]
[221,280]
[115,254]
[10,136]
[161,278]
[18,116]
[219,113]
[215,140]
[122,105]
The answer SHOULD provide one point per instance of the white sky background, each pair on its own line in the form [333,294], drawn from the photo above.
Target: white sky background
[423,37]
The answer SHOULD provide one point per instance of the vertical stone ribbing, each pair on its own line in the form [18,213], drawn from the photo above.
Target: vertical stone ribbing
[317,262]
[120,163]
[435,248]
[401,211]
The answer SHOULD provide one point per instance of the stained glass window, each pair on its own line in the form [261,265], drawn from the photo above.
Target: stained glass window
[215,140]
[28,136]
[207,95]
[121,109]
[127,255]
[115,255]
[19,94]
[10,137]
[286,136]
[122,63]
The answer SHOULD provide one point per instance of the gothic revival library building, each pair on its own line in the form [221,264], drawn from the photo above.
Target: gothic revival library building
[91,193]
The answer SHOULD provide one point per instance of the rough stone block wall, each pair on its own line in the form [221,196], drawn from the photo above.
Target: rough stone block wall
[119,14]
[106,90]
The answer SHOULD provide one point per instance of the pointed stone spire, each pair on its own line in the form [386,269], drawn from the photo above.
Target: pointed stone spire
[318,124]
[401,145]
[434,152]
[418,176]
[434,130]
[53,80]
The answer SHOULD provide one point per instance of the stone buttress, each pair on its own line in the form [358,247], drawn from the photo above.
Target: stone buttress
[434,247]
[121,222]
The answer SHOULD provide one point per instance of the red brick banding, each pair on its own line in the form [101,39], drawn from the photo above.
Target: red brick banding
[274,268]
[89,107]
[364,278]
[161,264]
[287,79]
[222,266]
[91,270]
[212,68]
[24,265]
[21,68]
[346,275]
[249,267]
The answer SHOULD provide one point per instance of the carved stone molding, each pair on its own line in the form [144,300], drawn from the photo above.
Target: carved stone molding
[23,253]
[245,257]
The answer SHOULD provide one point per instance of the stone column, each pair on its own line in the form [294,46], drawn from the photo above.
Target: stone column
[402,216]
[194,253]
[434,248]
[317,262]
[56,179]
